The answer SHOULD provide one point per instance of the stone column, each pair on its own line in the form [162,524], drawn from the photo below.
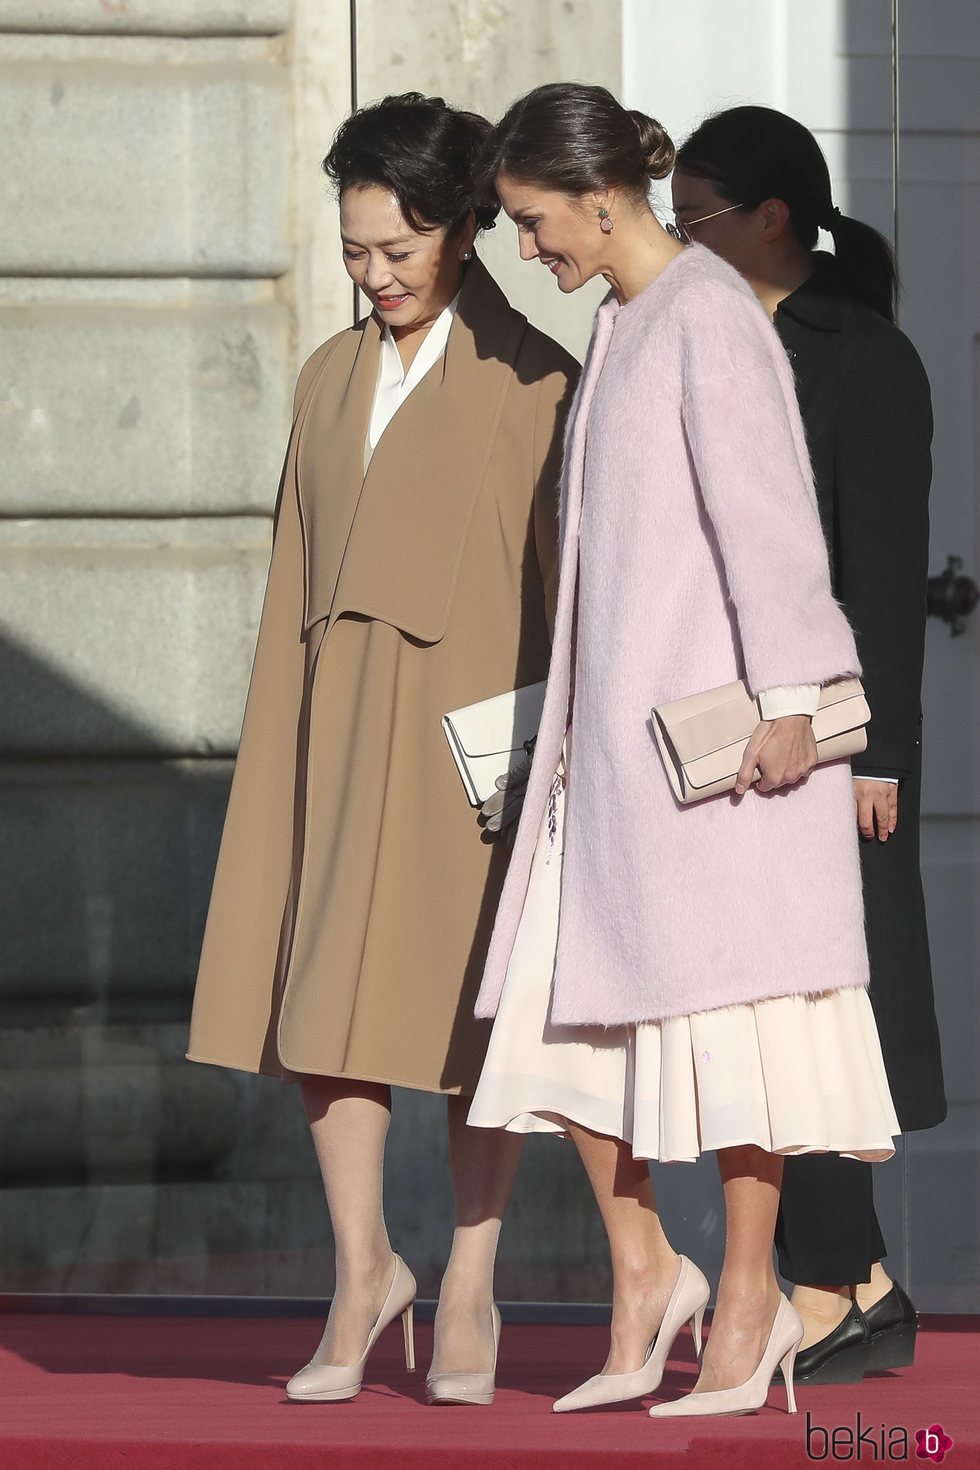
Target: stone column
[147,347]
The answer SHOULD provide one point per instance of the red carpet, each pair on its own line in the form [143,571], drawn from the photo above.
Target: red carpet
[94,1393]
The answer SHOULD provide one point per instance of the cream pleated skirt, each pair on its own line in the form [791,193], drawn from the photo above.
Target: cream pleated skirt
[793,1075]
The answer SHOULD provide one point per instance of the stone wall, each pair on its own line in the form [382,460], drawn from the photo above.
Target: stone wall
[167,257]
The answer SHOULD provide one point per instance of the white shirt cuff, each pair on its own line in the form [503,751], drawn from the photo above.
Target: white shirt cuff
[892,780]
[789,699]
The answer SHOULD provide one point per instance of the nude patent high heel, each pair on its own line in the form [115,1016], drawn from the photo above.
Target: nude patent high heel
[785,1336]
[687,1303]
[466,1388]
[322,1383]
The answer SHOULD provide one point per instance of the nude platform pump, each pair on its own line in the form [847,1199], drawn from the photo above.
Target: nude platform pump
[466,1388]
[324,1383]
[785,1337]
[687,1303]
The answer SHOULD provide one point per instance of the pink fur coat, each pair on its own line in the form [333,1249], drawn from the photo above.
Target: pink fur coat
[692,546]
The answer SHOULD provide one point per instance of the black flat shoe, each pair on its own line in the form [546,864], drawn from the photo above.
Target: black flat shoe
[840,1357]
[893,1323]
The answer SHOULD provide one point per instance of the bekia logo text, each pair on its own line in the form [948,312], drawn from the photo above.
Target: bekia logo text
[874,1442]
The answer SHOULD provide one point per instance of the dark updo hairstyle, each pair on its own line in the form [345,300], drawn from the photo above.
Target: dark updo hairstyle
[754,153]
[577,139]
[423,151]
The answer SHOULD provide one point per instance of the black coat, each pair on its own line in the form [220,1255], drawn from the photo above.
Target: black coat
[865,401]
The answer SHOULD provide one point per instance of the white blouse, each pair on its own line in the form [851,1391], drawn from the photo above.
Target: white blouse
[394,383]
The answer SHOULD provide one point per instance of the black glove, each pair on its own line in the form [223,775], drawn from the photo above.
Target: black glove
[502,809]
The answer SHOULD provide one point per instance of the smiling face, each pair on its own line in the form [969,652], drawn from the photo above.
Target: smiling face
[408,276]
[560,231]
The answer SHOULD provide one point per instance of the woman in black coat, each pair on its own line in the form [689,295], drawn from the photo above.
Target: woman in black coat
[752,184]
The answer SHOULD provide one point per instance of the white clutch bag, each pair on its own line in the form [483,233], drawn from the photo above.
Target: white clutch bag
[702,738]
[487,739]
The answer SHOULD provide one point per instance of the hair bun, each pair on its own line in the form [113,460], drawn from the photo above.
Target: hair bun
[656,145]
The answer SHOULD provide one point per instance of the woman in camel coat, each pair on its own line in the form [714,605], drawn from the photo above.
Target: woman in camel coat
[393,597]
[413,573]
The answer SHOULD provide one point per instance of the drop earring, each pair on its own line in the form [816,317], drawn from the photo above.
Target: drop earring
[605,223]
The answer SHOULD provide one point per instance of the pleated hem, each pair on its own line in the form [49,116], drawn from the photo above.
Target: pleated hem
[792,1075]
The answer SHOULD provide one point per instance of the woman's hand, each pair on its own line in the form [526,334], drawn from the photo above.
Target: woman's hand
[503,808]
[784,751]
[877,806]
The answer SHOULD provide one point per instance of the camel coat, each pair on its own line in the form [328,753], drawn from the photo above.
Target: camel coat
[692,549]
[355,891]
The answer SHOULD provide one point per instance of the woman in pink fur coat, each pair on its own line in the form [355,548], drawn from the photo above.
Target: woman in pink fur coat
[704,985]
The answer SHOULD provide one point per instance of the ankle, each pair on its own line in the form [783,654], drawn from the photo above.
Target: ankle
[650,1270]
[820,1298]
[746,1299]
[364,1271]
[866,1293]
[462,1292]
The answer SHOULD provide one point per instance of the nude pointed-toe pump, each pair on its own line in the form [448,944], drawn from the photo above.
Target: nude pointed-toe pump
[687,1303]
[324,1383]
[466,1388]
[785,1337]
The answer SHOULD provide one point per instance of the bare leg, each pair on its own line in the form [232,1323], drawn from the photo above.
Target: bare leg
[483,1161]
[349,1123]
[868,1292]
[748,1293]
[644,1264]
[822,1308]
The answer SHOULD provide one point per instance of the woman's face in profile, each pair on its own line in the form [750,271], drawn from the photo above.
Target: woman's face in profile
[409,276]
[731,233]
[560,231]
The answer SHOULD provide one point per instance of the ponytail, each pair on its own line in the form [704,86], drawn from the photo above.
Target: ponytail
[868,263]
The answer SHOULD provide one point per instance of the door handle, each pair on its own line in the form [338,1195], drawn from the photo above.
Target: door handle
[952,596]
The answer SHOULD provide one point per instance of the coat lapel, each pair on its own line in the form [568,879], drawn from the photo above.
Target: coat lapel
[387,544]
[554,717]
[329,454]
[573,476]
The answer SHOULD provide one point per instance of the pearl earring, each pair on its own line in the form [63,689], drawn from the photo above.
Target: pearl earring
[467,255]
[605,223]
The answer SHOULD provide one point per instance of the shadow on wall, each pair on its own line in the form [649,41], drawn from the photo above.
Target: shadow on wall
[107,857]
[123,1167]
[105,868]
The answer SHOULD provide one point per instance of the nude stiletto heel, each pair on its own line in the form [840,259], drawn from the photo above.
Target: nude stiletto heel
[323,1383]
[687,1303]
[466,1388]
[786,1368]
[785,1336]
[408,1330]
[696,1328]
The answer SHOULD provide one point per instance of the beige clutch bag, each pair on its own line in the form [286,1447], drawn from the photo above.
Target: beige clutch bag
[702,738]
[487,739]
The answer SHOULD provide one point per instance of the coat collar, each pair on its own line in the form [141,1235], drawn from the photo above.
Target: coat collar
[386,544]
[822,302]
